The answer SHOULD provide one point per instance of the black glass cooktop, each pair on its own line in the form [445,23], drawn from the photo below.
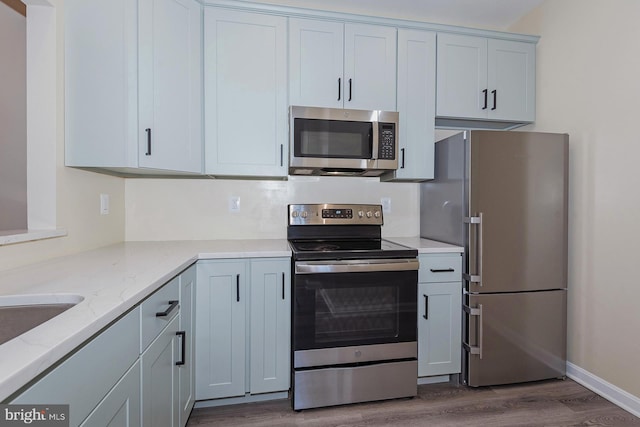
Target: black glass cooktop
[349,249]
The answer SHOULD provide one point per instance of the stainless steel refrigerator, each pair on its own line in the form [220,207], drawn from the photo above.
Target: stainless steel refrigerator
[503,196]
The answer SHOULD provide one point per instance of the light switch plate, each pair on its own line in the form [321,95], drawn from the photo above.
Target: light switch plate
[234,204]
[104,204]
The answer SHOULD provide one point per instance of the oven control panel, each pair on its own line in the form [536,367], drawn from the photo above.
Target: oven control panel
[335,214]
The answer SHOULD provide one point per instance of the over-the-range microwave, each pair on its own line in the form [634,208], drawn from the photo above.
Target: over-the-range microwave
[332,141]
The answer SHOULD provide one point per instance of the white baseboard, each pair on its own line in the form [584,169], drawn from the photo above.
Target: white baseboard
[433,380]
[616,395]
[248,398]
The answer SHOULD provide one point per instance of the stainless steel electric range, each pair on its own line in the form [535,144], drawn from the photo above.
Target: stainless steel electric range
[354,307]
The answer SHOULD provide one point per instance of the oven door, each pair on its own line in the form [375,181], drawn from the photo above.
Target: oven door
[360,306]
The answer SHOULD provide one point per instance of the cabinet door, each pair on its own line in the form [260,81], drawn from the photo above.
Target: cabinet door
[369,67]
[270,325]
[121,407]
[416,104]
[101,83]
[316,63]
[462,77]
[170,128]
[186,371]
[245,63]
[220,329]
[439,328]
[160,379]
[511,74]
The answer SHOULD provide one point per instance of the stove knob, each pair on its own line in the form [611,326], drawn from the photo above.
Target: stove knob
[369,214]
[303,214]
[377,214]
[360,214]
[294,214]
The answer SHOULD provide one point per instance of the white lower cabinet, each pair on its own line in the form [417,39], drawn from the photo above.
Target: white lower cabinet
[121,407]
[137,372]
[243,327]
[160,379]
[439,314]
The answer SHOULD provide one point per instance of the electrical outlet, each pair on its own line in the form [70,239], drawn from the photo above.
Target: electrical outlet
[386,204]
[104,204]
[234,204]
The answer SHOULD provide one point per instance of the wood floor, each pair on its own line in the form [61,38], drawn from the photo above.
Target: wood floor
[547,403]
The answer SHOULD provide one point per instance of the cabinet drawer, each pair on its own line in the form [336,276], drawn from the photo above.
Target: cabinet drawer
[440,268]
[151,322]
[87,376]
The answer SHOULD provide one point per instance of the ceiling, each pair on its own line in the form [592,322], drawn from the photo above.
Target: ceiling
[489,14]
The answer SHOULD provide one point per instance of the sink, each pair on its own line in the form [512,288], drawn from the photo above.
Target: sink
[21,313]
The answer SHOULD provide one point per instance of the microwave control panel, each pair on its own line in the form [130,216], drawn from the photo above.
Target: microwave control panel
[387,141]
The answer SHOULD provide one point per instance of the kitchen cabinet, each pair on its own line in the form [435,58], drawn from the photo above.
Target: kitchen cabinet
[186,370]
[439,314]
[243,327]
[484,78]
[146,384]
[245,86]
[77,382]
[121,407]
[133,100]
[342,65]
[416,105]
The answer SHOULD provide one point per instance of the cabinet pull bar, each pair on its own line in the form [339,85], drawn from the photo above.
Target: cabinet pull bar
[485,92]
[172,306]
[237,288]
[426,307]
[350,88]
[282,286]
[281,154]
[339,87]
[442,270]
[183,352]
[148,153]
[495,99]
[402,152]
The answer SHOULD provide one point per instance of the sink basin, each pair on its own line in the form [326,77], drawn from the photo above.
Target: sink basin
[21,313]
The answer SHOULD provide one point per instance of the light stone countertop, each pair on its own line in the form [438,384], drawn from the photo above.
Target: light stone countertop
[111,280]
[426,246]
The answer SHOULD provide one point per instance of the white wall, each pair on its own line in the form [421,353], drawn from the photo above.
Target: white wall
[199,209]
[77,192]
[13,127]
[588,84]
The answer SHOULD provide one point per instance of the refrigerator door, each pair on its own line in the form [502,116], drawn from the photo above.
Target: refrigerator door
[517,211]
[515,337]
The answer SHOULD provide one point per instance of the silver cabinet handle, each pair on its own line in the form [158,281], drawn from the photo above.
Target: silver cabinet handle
[468,347]
[477,277]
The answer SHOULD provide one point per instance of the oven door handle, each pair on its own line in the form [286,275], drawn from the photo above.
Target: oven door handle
[356,266]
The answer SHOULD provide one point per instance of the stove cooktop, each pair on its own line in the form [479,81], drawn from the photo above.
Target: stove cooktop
[349,249]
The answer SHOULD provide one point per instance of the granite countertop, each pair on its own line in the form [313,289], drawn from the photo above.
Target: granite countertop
[110,280]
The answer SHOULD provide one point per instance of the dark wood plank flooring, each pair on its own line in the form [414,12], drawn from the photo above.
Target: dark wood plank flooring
[546,403]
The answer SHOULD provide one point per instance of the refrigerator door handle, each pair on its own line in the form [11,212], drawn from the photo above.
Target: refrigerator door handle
[474,312]
[477,277]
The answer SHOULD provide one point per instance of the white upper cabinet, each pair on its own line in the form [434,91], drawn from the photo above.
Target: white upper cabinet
[416,105]
[132,66]
[338,65]
[245,84]
[170,95]
[487,79]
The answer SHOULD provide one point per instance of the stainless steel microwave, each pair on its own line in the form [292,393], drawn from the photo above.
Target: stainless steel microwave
[332,141]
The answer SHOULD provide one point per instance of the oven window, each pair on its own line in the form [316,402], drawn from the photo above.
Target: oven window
[333,139]
[346,309]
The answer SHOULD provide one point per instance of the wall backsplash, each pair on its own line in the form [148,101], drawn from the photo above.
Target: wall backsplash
[180,209]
